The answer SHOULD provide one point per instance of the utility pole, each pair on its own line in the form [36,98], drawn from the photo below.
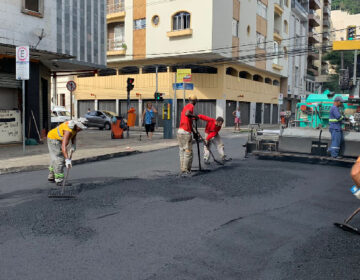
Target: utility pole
[355,87]
[130,87]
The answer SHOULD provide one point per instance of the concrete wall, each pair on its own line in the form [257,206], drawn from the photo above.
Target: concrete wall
[18,28]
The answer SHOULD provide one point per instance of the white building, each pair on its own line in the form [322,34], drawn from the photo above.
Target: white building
[63,35]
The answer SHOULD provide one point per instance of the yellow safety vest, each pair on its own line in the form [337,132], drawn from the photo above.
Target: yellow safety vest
[58,132]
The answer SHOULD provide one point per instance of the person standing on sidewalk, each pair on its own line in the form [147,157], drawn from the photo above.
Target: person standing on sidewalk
[148,118]
[237,116]
[58,140]
[212,137]
[184,135]
[335,121]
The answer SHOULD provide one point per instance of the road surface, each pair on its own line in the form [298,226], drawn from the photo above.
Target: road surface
[136,219]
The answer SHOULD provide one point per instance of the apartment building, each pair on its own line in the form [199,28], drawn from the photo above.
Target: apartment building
[298,43]
[63,35]
[319,40]
[235,49]
[340,21]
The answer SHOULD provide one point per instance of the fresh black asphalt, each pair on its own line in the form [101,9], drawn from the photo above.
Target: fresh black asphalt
[134,218]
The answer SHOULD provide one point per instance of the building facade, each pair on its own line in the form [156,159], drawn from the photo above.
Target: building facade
[63,35]
[299,23]
[237,51]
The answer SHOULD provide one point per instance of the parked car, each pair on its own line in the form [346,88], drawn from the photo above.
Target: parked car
[100,119]
[59,115]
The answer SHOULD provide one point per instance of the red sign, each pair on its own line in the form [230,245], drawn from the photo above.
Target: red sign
[71,85]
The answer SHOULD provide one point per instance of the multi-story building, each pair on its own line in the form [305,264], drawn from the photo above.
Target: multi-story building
[340,21]
[320,26]
[235,49]
[298,44]
[63,35]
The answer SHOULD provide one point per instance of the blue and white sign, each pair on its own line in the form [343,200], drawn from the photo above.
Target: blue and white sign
[179,86]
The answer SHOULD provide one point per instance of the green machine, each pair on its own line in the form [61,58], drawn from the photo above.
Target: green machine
[315,111]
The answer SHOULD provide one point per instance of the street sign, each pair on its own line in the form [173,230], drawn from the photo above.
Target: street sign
[22,63]
[178,86]
[281,98]
[187,78]
[71,85]
[346,45]
[183,73]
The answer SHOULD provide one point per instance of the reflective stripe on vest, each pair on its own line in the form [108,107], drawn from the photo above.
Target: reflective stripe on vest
[58,131]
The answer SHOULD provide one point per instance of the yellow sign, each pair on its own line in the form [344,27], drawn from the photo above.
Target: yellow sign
[183,73]
[346,45]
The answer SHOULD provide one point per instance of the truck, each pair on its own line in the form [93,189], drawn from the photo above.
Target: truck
[308,136]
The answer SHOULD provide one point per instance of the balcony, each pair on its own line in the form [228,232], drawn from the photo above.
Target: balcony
[116,47]
[314,19]
[300,10]
[277,36]
[314,37]
[326,36]
[279,7]
[327,10]
[314,4]
[314,55]
[326,22]
[115,12]
[313,70]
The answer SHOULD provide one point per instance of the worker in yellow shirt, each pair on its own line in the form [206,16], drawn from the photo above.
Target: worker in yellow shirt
[58,140]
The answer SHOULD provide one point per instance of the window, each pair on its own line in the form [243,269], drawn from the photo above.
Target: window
[286,27]
[119,32]
[276,53]
[261,9]
[140,23]
[260,40]
[181,21]
[296,76]
[33,7]
[155,20]
[235,28]
[62,100]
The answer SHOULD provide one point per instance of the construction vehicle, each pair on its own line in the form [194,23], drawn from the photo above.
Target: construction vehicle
[308,136]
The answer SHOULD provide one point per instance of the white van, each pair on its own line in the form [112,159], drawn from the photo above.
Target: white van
[59,115]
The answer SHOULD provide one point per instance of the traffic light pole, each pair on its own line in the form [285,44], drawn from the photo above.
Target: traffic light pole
[128,108]
[157,88]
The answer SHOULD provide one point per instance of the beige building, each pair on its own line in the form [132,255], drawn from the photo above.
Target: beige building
[235,49]
[341,20]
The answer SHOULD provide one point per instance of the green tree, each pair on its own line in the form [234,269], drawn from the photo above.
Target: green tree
[351,6]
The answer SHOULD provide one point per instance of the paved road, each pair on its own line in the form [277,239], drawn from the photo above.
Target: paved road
[136,219]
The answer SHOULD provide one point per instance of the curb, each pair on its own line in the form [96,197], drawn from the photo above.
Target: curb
[75,162]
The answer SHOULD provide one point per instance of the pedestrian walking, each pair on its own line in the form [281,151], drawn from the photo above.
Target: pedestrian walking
[237,120]
[335,121]
[213,126]
[184,135]
[148,118]
[58,140]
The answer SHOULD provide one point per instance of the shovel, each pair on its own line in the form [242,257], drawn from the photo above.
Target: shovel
[63,193]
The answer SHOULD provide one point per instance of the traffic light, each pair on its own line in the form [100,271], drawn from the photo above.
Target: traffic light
[130,84]
[158,96]
[351,32]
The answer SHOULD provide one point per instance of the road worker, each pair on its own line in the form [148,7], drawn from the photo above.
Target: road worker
[184,135]
[58,140]
[335,122]
[212,136]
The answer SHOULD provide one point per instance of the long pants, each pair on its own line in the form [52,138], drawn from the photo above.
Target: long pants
[219,145]
[185,151]
[57,160]
[336,141]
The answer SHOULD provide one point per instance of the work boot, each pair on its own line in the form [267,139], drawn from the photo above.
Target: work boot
[51,177]
[60,183]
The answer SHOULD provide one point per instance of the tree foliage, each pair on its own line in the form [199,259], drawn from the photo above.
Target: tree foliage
[351,6]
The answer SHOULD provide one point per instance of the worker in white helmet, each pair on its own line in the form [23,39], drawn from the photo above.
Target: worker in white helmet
[58,140]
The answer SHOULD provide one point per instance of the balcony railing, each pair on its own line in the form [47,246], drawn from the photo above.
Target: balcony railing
[279,2]
[116,45]
[116,8]
[303,10]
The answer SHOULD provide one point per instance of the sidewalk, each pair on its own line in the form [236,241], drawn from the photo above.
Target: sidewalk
[92,145]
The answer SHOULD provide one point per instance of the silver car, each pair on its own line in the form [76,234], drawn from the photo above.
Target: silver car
[100,119]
